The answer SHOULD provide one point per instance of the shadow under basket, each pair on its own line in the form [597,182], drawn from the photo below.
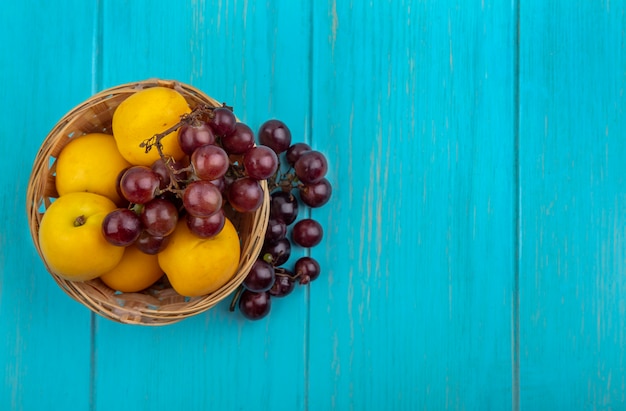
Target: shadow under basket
[159,304]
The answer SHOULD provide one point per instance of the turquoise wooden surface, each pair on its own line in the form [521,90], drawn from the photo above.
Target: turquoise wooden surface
[473,256]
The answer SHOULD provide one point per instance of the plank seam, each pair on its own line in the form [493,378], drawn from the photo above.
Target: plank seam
[96,51]
[515,349]
[309,132]
[96,86]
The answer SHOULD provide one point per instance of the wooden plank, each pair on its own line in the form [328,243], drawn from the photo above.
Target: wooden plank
[45,66]
[572,146]
[253,56]
[413,102]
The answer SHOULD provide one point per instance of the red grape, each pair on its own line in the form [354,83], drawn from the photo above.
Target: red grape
[201,198]
[260,162]
[150,244]
[240,140]
[276,229]
[192,136]
[118,189]
[307,233]
[311,167]
[276,135]
[283,285]
[284,206]
[159,217]
[206,227]
[316,194]
[228,180]
[139,184]
[223,121]
[163,171]
[173,198]
[121,227]
[220,183]
[245,195]
[209,162]
[260,277]
[277,252]
[295,151]
[307,269]
[254,306]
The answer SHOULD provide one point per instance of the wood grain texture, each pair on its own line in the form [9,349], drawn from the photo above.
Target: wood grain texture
[45,354]
[414,103]
[572,149]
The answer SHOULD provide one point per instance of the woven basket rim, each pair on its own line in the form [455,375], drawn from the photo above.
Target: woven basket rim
[131,308]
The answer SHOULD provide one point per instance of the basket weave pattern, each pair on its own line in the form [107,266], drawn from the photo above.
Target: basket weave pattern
[159,304]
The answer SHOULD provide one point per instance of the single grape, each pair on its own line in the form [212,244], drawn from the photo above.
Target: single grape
[173,198]
[283,285]
[254,306]
[164,172]
[159,217]
[121,227]
[307,233]
[276,230]
[220,183]
[316,194]
[276,253]
[307,269]
[150,244]
[192,136]
[276,135]
[201,198]
[260,278]
[295,151]
[223,121]
[206,227]
[245,195]
[209,162]
[228,180]
[284,206]
[118,181]
[311,167]
[260,162]
[161,170]
[240,140]
[139,184]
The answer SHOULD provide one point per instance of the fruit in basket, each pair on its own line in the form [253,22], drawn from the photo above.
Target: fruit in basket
[121,227]
[139,184]
[196,266]
[90,163]
[135,272]
[144,114]
[71,239]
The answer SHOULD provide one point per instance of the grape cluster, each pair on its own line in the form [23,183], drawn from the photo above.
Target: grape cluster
[222,165]
[302,184]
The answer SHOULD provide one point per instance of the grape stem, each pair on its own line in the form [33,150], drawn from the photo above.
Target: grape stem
[286,182]
[281,272]
[199,112]
[236,296]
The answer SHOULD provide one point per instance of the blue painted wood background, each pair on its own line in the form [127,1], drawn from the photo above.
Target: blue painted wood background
[474,255]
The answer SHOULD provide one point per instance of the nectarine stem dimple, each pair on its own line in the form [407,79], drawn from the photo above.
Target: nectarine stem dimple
[80,220]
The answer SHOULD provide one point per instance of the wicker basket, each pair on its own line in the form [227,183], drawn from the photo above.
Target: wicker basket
[159,304]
